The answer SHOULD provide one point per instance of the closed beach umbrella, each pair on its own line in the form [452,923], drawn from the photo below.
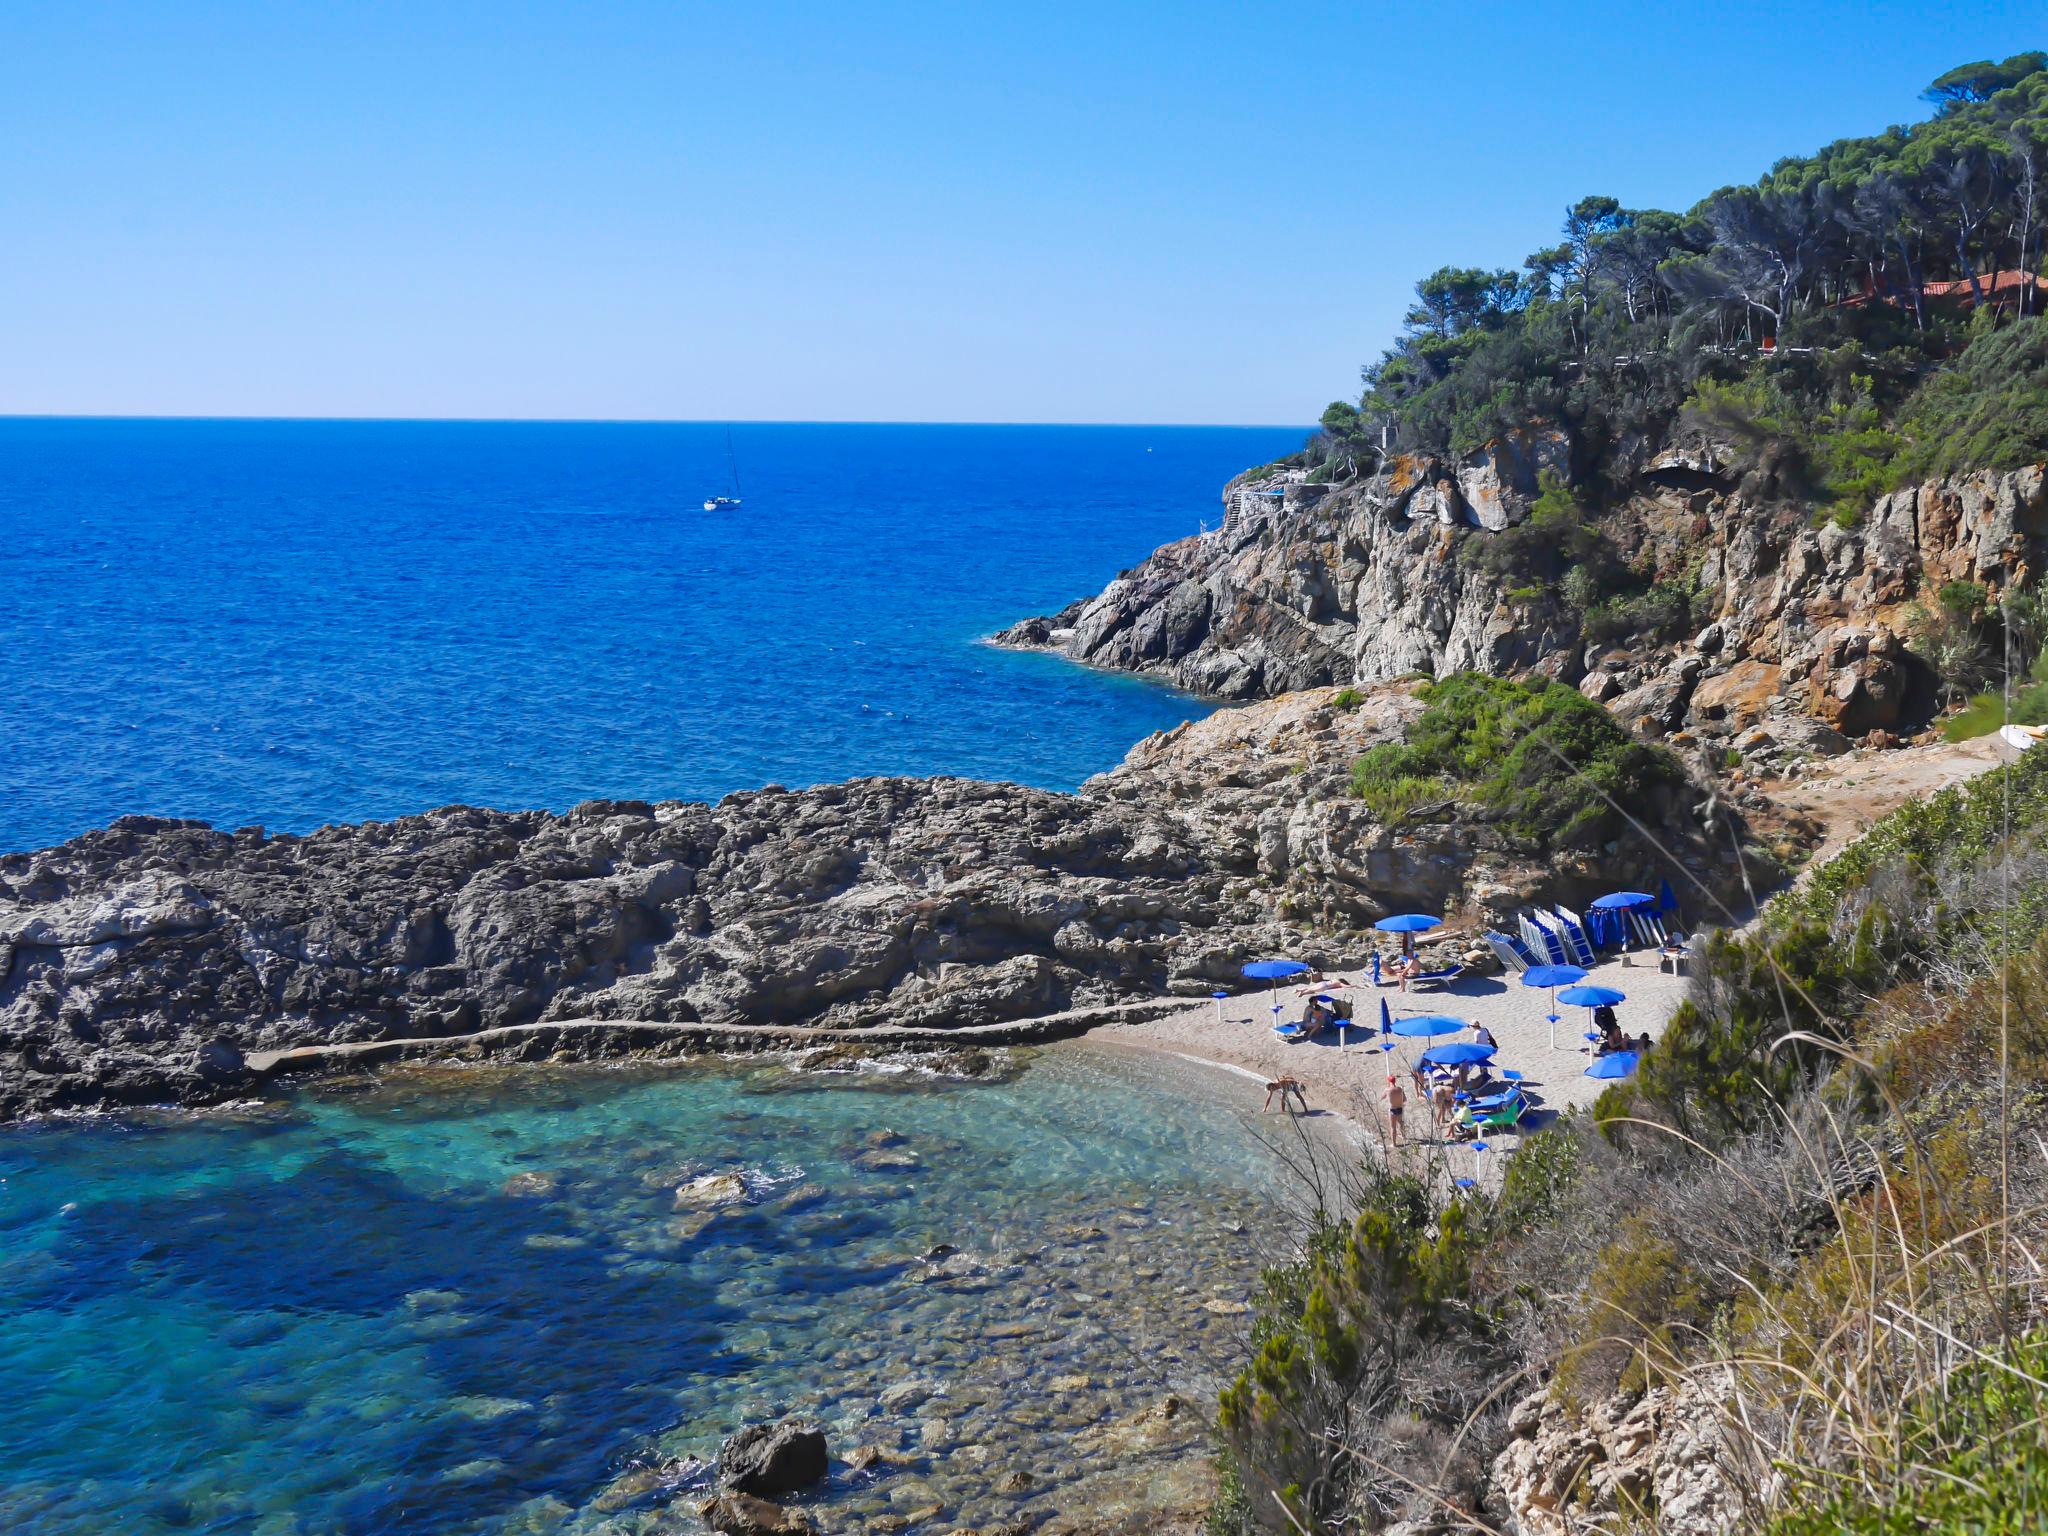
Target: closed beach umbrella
[1386,1027]
[1271,972]
[1667,899]
[1553,977]
[1620,1064]
[1408,922]
[1459,1053]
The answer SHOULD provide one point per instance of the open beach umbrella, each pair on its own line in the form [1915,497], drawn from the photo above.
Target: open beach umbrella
[1459,1053]
[1271,972]
[1591,997]
[1408,922]
[1422,1025]
[1620,1064]
[1621,903]
[1553,977]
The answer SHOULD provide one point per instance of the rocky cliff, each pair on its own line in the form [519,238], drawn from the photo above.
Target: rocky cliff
[1801,629]
[148,961]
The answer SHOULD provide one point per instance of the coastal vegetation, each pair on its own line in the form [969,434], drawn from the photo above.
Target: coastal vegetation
[1813,1216]
[1546,762]
[1854,318]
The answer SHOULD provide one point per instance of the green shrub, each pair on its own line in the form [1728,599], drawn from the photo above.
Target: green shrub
[1340,1338]
[1347,698]
[1969,1456]
[1540,1179]
[1642,1307]
[1540,755]
[1986,410]
[1984,714]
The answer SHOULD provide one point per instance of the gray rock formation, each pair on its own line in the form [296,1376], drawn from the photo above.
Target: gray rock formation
[767,1460]
[1565,1473]
[150,961]
[1367,581]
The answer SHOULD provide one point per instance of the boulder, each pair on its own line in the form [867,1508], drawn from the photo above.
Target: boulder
[711,1191]
[770,1459]
[1860,682]
[1498,482]
[1738,697]
[739,1514]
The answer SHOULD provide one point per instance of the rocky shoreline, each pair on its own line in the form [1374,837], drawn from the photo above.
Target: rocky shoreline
[169,962]
[1800,638]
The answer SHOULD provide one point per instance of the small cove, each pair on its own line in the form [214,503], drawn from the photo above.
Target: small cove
[467,1300]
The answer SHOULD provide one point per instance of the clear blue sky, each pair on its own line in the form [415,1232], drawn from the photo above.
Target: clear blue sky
[875,211]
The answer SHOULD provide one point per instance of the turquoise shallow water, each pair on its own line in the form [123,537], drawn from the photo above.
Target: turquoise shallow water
[466,1300]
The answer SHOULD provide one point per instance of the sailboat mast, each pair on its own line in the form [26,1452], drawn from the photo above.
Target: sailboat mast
[732,465]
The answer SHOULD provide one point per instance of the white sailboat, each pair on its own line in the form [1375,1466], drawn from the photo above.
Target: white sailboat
[726,503]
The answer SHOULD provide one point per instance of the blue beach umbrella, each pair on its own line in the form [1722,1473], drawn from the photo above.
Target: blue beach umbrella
[1408,922]
[1667,899]
[1621,903]
[1271,971]
[1386,1027]
[1422,1025]
[1553,977]
[1620,1064]
[1459,1053]
[1591,997]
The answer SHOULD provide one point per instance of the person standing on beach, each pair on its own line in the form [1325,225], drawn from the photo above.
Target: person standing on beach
[1397,1100]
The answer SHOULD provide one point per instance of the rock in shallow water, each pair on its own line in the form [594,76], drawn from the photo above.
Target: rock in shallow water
[738,1514]
[770,1459]
[711,1192]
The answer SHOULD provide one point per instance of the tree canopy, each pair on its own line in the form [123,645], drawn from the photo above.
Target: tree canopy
[1852,274]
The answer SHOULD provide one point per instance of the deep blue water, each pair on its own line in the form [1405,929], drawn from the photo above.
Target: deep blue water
[290,623]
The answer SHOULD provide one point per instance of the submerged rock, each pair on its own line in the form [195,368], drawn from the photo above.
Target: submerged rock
[711,1192]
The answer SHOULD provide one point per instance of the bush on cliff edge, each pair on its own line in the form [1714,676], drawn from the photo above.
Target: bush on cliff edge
[1549,761]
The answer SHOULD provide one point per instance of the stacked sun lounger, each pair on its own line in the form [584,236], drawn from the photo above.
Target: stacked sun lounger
[1543,940]
[1576,940]
[1513,953]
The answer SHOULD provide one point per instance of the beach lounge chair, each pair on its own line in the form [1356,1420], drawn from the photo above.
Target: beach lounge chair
[1513,953]
[1545,940]
[1506,1118]
[1576,936]
[1438,977]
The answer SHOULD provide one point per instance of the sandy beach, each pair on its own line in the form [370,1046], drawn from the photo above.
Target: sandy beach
[1348,1079]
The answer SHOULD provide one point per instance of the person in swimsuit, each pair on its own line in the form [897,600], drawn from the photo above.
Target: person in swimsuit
[1445,1100]
[1396,1102]
[1288,1088]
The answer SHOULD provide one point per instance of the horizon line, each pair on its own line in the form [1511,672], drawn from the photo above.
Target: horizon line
[638,421]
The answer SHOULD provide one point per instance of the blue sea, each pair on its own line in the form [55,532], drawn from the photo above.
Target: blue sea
[290,623]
